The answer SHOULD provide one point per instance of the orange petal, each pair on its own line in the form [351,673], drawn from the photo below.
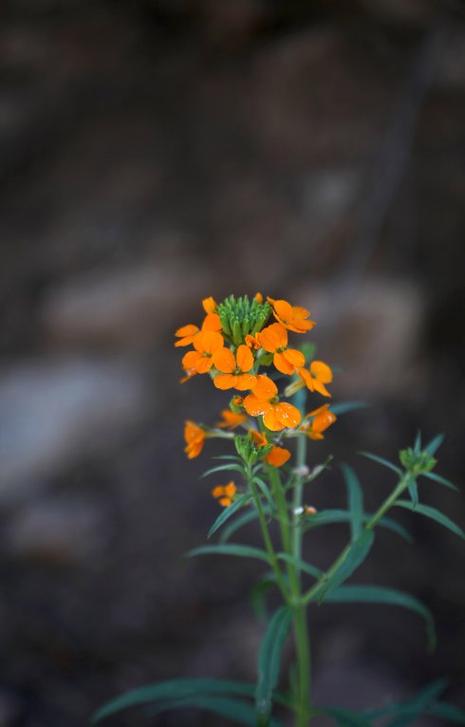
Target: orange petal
[288,414]
[204,364]
[255,406]
[258,438]
[245,382]
[189,330]
[281,308]
[244,358]
[184,341]
[230,489]
[252,341]
[273,337]
[190,360]
[265,388]
[224,381]
[225,501]
[218,491]
[224,360]
[321,371]
[321,388]
[258,297]
[320,410]
[277,456]
[307,378]
[211,322]
[209,304]
[272,421]
[231,419]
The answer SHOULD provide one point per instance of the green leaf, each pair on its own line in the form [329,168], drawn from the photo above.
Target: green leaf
[224,468]
[383,595]
[381,460]
[331,517]
[413,492]
[302,565]
[269,661]
[346,406]
[258,595]
[345,717]
[242,551]
[237,523]
[417,444]
[412,709]
[264,490]
[357,553]
[433,514]
[396,527]
[447,711]
[228,512]
[173,689]
[441,480]
[236,710]
[355,501]
[433,446]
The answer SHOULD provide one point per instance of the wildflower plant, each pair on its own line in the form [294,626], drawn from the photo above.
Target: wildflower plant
[249,349]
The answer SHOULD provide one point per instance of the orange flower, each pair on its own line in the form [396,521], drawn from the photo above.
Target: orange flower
[225,493]
[258,438]
[293,317]
[323,418]
[317,376]
[276,415]
[231,419]
[209,304]
[234,368]
[187,334]
[274,339]
[278,456]
[258,297]
[201,360]
[195,439]
[252,341]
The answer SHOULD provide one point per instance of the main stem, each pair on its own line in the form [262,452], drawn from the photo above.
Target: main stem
[301,632]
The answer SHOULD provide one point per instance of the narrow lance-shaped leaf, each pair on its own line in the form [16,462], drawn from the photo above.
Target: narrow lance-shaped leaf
[236,710]
[227,513]
[302,565]
[331,517]
[172,689]
[269,661]
[239,522]
[383,595]
[384,462]
[344,407]
[242,551]
[355,501]
[258,595]
[358,551]
[447,711]
[417,444]
[224,468]
[413,491]
[433,514]
[407,712]
[440,480]
[433,446]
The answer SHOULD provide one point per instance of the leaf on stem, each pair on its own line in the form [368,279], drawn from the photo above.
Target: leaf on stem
[356,554]
[269,661]
[331,517]
[406,713]
[433,514]
[383,595]
[381,460]
[172,690]
[228,512]
[224,468]
[242,551]
[413,491]
[440,480]
[433,446]
[344,407]
[355,501]
[302,565]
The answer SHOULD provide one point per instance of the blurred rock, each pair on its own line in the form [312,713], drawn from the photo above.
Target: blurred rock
[372,330]
[55,531]
[122,307]
[52,412]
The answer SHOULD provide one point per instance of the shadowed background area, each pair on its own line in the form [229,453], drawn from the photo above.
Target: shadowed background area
[158,151]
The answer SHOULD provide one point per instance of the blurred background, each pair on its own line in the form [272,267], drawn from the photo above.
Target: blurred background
[154,152]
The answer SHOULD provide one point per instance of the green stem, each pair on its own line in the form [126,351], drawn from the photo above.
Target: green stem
[301,633]
[384,507]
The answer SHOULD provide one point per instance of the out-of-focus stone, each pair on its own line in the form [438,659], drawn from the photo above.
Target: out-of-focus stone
[53,412]
[371,330]
[64,532]
[122,307]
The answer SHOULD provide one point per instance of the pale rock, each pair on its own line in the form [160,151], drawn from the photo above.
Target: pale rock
[52,412]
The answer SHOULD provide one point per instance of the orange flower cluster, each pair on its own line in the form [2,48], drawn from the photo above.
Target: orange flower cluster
[233,344]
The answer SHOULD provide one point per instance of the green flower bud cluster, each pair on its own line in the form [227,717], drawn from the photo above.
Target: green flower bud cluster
[417,463]
[248,450]
[241,316]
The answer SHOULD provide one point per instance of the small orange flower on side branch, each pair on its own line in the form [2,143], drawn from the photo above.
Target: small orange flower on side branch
[234,369]
[293,317]
[231,419]
[195,439]
[263,402]
[322,419]
[225,494]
